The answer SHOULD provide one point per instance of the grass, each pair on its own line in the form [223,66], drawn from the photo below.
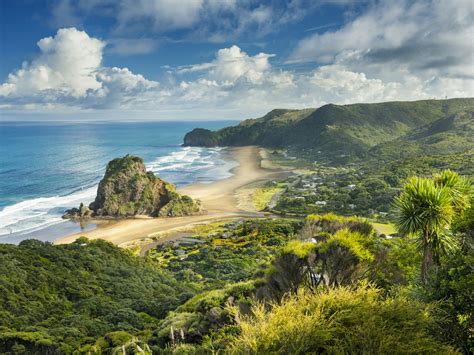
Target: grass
[206,228]
[384,228]
[263,195]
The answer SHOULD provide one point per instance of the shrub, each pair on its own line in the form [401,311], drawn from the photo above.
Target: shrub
[339,321]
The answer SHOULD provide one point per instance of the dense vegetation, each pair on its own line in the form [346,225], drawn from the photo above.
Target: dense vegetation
[93,296]
[358,155]
[339,321]
[349,129]
[62,298]
[366,188]
[312,282]
[331,284]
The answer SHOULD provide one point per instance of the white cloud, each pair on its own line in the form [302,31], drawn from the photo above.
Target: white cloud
[233,67]
[337,83]
[206,20]
[68,63]
[68,75]
[232,64]
[432,37]
[408,50]
[163,14]
[343,83]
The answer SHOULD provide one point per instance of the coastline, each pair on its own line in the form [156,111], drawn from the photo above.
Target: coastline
[222,199]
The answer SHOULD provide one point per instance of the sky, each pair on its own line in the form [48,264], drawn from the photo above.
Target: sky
[226,59]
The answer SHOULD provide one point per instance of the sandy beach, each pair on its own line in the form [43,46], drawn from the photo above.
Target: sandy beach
[222,199]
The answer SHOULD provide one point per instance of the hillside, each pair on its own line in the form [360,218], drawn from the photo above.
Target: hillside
[55,299]
[448,135]
[333,129]
[238,287]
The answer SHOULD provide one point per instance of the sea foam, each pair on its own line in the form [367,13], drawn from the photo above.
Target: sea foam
[182,166]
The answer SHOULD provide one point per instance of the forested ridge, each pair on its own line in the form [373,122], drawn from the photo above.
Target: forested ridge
[353,129]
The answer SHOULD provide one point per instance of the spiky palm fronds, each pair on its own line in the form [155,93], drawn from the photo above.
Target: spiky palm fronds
[426,208]
[423,207]
[460,188]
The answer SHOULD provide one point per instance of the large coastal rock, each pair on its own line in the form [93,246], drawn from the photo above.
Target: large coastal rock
[127,189]
[200,137]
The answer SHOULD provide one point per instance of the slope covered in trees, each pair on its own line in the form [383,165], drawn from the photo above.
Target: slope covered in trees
[60,298]
[335,129]
[328,284]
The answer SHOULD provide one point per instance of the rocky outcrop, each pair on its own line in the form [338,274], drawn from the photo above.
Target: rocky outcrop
[127,190]
[200,137]
[80,213]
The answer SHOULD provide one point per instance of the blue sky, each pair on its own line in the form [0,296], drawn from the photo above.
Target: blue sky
[25,22]
[212,59]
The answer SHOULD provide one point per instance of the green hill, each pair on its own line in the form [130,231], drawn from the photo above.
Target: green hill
[449,135]
[55,299]
[334,129]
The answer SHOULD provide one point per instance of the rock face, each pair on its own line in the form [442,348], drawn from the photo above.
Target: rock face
[80,213]
[200,137]
[127,189]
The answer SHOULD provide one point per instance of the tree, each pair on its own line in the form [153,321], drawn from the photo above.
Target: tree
[426,207]
[459,187]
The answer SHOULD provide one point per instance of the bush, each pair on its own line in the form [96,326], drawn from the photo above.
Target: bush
[339,321]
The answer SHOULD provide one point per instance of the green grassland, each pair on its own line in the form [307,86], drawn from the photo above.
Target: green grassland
[385,228]
[263,195]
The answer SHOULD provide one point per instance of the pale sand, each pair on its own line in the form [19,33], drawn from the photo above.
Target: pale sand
[222,199]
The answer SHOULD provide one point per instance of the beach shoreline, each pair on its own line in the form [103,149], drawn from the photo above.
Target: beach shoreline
[222,199]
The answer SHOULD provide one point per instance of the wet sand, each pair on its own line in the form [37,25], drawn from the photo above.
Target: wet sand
[222,199]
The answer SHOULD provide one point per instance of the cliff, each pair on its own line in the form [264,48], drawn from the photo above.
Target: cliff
[127,189]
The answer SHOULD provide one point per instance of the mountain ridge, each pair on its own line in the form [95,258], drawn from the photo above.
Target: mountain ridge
[333,129]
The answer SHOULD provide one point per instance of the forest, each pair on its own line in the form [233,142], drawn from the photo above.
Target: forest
[322,284]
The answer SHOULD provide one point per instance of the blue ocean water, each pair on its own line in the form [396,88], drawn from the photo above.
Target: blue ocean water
[46,168]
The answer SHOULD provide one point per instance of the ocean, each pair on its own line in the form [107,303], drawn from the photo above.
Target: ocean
[46,168]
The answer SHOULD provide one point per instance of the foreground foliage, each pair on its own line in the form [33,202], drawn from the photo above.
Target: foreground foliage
[340,321]
[61,298]
[328,284]
[427,207]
